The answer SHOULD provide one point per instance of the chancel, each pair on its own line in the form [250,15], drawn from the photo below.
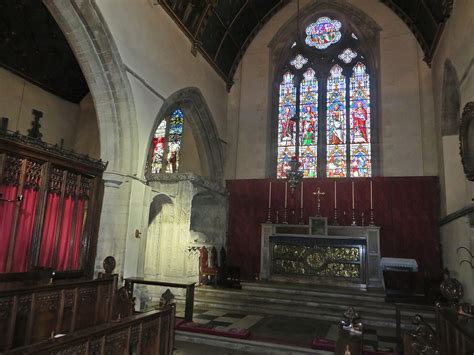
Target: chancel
[278,176]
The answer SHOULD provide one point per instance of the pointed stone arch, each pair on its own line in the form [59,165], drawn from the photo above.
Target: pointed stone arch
[92,43]
[191,101]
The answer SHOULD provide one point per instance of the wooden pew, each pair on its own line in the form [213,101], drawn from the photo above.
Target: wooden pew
[141,334]
[31,314]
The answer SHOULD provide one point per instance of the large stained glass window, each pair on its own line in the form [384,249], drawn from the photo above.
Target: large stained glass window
[327,90]
[166,144]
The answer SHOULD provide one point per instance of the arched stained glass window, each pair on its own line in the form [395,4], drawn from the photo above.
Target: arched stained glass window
[166,144]
[325,85]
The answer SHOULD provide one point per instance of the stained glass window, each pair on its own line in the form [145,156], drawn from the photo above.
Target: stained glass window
[322,33]
[336,123]
[167,143]
[360,121]
[286,123]
[309,123]
[347,55]
[328,93]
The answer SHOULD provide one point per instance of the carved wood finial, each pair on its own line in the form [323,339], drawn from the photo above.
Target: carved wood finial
[34,132]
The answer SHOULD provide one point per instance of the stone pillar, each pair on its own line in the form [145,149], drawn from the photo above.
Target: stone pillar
[124,210]
[187,211]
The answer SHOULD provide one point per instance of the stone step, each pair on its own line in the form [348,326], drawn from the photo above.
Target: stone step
[327,304]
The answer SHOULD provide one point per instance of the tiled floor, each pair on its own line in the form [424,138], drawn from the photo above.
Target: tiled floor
[286,330]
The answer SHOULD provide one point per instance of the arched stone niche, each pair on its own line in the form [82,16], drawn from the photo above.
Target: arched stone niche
[198,116]
[451,110]
[187,212]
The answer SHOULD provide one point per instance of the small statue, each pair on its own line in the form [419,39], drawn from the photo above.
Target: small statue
[351,322]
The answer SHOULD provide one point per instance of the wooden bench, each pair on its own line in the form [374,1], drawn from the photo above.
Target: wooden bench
[31,314]
[189,305]
[141,334]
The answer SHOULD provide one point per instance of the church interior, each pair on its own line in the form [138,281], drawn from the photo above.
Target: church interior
[236,177]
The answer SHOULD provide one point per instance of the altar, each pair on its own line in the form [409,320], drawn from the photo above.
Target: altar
[340,256]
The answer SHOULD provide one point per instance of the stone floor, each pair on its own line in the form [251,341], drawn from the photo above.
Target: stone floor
[285,330]
[184,348]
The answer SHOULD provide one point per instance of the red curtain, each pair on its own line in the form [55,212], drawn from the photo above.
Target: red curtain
[7,214]
[24,231]
[49,227]
[81,205]
[65,233]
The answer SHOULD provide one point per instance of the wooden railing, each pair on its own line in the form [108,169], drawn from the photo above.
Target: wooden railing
[30,314]
[143,334]
[455,332]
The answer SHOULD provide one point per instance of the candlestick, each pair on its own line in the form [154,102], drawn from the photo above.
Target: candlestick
[362,218]
[335,195]
[371,201]
[353,206]
[353,218]
[285,216]
[286,193]
[301,216]
[301,206]
[372,222]
[277,217]
[270,195]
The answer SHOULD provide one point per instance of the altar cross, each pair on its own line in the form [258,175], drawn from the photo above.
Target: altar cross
[318,195]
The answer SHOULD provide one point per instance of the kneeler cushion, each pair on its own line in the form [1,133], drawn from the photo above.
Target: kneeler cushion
[239,333]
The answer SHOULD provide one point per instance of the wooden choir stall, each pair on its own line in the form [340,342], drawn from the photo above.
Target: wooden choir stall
[50,203]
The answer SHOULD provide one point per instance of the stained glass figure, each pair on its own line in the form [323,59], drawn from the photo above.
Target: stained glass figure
[347,55]
[299,61]
[309,161]
[322,33]
[360,121]
[336,118]
[166,143]
[284,156]
[286,123]
[158,148]
[175,136]
[361,160]
[309,122]
[336,163]
[360,104]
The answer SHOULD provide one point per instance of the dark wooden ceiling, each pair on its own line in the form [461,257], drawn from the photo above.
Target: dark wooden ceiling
[33,47]
[221,30]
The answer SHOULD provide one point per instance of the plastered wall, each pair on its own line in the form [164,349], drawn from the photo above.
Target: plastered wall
[456,191]
[159,62]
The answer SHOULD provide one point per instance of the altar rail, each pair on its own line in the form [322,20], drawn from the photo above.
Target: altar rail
[142,334]
[29,314]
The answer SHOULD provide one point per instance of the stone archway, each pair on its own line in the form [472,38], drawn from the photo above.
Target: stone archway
[192,103]
[94,48]
[92,43]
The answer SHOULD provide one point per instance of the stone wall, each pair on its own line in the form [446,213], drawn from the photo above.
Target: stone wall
[186,211]
[455,50]
[407,131]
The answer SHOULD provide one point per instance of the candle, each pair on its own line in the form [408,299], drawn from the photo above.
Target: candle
[301,194]
[371,203]
[286,192]
[353,195]
[335,195]
[270,195]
